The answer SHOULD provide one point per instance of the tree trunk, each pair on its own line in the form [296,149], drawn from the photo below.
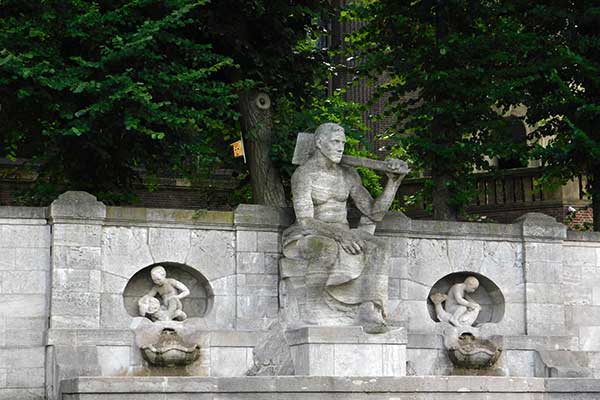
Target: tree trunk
[594,188]
[255,109]
[441,195]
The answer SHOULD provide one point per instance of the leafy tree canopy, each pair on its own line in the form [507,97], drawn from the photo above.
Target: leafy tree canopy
[452,70]
[96,91]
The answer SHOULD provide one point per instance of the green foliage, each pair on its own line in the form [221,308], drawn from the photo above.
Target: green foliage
[452,69]
[95,91]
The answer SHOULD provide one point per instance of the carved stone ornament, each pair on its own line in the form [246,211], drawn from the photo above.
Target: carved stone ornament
[170,350]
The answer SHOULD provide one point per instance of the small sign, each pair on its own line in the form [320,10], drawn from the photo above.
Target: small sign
[238,149]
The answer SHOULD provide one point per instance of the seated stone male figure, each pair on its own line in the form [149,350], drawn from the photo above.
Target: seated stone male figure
[354,262]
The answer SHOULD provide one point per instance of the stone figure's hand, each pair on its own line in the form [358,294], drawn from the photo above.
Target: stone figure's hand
[351,243]
[398,167]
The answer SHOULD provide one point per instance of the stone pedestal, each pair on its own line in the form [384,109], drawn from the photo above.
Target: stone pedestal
[347,351]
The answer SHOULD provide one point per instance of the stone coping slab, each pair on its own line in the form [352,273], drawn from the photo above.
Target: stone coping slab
[10,212]
[162,216]
[304,384]
[343,334]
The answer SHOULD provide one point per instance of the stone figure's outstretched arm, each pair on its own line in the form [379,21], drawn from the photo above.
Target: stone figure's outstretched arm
[375,209]
[183,290]
[153,292]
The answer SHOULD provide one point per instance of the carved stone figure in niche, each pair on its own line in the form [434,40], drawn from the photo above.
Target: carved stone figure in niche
[459,308]
[352,263]
[170,292]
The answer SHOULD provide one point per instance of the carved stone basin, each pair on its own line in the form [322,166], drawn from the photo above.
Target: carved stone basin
[473,353]
[170,350]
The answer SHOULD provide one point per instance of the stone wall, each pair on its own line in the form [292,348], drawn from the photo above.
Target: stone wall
[24,277]
[64,271]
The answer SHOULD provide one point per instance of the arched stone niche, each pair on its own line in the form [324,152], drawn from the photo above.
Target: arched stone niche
[197,304]
[488,296]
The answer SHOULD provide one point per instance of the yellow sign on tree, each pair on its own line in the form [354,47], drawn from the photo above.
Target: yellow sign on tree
[238,149]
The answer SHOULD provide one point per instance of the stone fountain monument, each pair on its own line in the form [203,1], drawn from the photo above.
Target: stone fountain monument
[126,303]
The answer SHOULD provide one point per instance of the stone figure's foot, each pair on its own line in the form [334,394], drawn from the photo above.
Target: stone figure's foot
[370,317]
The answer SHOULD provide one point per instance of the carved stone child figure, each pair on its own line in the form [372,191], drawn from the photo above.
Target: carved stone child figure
[460,309]
[171,291]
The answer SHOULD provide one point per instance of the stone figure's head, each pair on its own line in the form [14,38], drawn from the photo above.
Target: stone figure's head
[471,284]
[330,140]
[158,275]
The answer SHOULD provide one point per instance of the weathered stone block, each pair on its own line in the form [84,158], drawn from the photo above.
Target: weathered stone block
[76,280]
[519,362]
[399,246]
[169,244]
[225,286]
[25,377]
[394,289]
[544,293]
[24,236]
[112,312]
[23,305]
[538,225]
[76,257]
[77,205]
[513,322]
[399,267]
[32,258]
[212,253]
[410,290]
[24,282]
[259,215]
[429,361]
[76,361]
[14,358]
[543,252]
[268,242]
[250,263]
[77,235]
[589,338]
[229,361]
[583,256]
[223,313]
[272,263]
[125,251]
[546,272]
[584,315]
[114,360]
[347,351]
[465,255]
[246,241]
[113,283]
[7,259]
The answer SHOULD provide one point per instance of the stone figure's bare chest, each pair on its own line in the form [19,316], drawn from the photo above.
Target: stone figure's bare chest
[328,186]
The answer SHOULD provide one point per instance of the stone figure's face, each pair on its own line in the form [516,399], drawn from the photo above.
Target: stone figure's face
[153,305]
[332,145]
[159,277]
[471,285]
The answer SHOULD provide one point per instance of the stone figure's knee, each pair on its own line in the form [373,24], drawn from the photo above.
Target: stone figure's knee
[320,247]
